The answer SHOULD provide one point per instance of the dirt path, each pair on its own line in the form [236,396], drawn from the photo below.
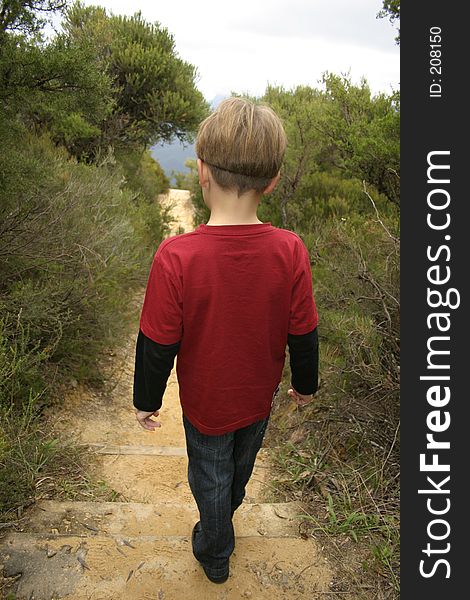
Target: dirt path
[139,548]
[181,209]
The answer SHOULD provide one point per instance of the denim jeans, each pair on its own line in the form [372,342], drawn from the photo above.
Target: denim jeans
[219,468]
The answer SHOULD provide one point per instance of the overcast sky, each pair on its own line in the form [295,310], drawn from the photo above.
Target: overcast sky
[244,45]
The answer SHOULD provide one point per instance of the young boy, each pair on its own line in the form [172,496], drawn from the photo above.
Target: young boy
[228,297]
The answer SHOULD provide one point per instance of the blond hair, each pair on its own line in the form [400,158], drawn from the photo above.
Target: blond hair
[243,143]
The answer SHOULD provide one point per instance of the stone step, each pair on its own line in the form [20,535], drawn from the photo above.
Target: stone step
[38,567]
[132,519]
[164,477]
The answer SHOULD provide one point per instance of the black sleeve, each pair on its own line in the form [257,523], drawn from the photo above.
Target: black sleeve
[153,365]
[303,358]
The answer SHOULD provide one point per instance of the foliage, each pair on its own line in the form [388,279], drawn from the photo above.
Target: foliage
[33,462]
[27,17]
[391,9]
[105,81]
[299,110]
[342,131]
[343,459]
[55,87]
[154,93]
[186,180]
[70,233]
[75,243]
[364,133]
[79,225]
[143,174]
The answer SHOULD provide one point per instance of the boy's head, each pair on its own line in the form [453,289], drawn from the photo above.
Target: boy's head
[243,143]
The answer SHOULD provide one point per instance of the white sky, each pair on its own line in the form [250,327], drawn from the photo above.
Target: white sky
[244,45]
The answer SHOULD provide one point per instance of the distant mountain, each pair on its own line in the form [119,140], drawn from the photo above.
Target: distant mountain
[217,100]
[172,156]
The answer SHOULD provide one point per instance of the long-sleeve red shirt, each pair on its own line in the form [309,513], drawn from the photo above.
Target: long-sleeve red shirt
[227,298]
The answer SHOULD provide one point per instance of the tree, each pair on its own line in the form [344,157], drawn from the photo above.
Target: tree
[336,139]
[55,86]
[363,133]
[391,9]
[154,92]
[27,16]
[143,174]
[299,109]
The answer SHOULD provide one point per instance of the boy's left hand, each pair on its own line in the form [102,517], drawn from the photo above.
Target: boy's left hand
[145,421]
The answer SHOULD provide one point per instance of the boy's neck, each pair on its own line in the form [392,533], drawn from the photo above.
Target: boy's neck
[228,209]
[234,221]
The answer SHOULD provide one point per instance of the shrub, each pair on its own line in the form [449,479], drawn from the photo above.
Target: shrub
[75,244]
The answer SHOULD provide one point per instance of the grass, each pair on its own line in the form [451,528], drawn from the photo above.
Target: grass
[34,466]
[348,489]
[35,463]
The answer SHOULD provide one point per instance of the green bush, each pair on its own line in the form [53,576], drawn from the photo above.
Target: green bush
[82,243]
[356,281]
[76,245]
[143,174]
[348,438]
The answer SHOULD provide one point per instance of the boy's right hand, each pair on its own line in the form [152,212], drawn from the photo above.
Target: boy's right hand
[301,399]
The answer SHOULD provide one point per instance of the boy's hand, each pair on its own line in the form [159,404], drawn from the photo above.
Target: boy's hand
[301,399]
[145,421]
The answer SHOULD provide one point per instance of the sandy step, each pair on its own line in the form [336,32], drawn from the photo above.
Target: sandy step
[153,450]
[155,520]
[164,478]
[114,420]
[95,421]
[103,568]
[104,448]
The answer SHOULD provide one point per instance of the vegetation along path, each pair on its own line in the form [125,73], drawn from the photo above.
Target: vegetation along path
[139,546]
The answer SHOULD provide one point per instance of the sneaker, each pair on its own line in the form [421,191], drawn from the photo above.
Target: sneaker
[214,579]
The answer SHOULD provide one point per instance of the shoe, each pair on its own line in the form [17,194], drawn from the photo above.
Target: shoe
[193,535]
[219,579]
[214,579]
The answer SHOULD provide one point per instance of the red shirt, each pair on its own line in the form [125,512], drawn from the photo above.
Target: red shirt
[230,294]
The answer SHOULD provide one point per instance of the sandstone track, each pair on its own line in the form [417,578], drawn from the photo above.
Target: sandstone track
[139,548]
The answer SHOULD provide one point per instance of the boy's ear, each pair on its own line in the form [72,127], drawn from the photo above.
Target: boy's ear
[202,172]
[274,181]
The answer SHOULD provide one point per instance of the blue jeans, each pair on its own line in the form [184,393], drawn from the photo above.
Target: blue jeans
[219,468]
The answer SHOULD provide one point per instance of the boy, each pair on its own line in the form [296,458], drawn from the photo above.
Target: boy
[228,297]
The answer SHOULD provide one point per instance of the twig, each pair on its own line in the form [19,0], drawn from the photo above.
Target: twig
[379,220]
[391,448]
